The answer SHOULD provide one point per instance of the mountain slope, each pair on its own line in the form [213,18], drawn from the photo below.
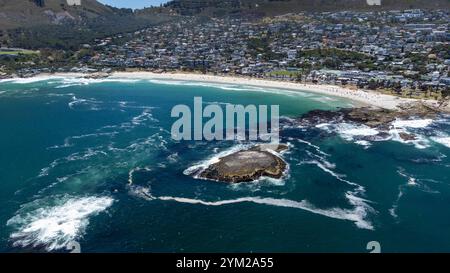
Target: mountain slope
[36,24]
[276,7]
[23,13]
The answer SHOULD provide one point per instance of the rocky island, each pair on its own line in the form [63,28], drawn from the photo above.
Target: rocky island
[248,165]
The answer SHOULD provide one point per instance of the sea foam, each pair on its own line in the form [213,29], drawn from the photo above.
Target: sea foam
[77,81]
[356,215]
[442,140]
[350,132]
[29,80]
[55,227]
[413,123]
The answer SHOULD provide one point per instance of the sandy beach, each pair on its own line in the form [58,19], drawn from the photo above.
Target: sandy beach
[360,97]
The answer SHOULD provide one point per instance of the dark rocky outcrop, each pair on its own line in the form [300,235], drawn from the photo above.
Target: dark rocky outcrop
[248,165]
[379,119]
[406,136]
[369,116]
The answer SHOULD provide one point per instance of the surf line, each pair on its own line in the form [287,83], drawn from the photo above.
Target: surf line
[356,215]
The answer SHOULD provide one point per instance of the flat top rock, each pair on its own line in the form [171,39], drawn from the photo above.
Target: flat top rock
[247,165]
[246,161]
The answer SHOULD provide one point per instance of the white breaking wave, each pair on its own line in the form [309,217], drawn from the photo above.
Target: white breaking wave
[203,165]
[359,131]
[364,135]
[413,123]
[66,81]
[419,142]
[30,80]
[400,126]
[323,126]
[198,83]
[237,87]
[364,143]
[356,215]
[350,132]
[55,227]
[442,140]
[69,82]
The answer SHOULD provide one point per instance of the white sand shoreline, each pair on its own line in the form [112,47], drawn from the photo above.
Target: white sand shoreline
[362,97]
[359,96]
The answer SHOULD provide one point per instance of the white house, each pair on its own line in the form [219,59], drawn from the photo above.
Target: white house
[74,2]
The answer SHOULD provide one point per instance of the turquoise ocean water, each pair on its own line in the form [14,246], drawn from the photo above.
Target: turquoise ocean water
[93,162]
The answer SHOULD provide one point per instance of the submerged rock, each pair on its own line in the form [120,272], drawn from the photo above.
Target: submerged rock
[406,136]
[248,165]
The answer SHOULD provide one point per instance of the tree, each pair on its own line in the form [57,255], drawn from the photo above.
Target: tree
[373,85]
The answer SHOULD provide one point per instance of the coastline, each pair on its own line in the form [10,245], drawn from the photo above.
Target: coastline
[362,97]
[359,96]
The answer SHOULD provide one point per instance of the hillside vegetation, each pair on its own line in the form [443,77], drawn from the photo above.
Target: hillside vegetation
[54,24]
[277,7]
